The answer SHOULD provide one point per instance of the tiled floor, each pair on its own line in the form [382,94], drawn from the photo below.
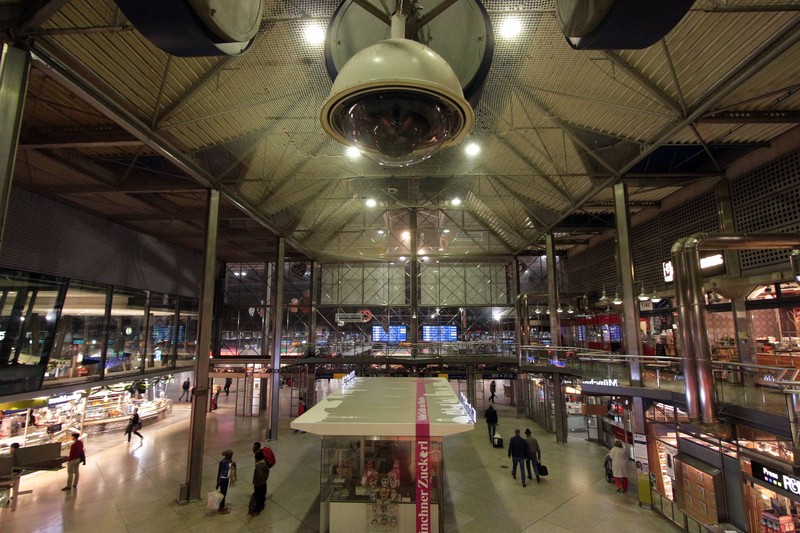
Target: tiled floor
[134,487]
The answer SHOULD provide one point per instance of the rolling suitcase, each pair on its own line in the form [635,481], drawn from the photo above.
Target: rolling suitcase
[497,441]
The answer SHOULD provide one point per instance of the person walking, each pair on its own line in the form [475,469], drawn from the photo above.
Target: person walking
[77,455]
[518,451]
[134,425]
[186,385]
[491,421]
[226,476]
[619,463]
[260,477]
[493,390]
[534,454]
[228,383]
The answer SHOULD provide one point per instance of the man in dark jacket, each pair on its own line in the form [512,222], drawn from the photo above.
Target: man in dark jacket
[260,477]
[518,451]
[534,454]
[491,421]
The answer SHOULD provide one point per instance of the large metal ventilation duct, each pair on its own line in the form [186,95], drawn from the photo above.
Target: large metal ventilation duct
[618,24]
[195,28]
[690,298]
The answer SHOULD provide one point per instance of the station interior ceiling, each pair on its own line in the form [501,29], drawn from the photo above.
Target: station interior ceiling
[114,126]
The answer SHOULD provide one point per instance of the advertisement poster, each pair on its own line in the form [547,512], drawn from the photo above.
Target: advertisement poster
[640,453]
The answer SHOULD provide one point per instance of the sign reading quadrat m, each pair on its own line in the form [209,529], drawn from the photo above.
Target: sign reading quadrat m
[423,488]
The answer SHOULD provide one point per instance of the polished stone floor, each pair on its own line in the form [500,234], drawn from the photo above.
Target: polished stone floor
[133,487]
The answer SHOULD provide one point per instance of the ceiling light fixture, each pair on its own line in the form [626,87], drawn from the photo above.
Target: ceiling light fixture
[455,202]
[472,149]
[314,34]
[655,298]
[510,28]
[603,296]
[642,295]
[352,152]
[371,202]
[617,298]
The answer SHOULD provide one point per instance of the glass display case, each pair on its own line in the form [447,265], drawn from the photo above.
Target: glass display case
[368,484]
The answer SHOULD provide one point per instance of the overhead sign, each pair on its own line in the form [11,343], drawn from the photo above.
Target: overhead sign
[351,317]
[775,477]
[706,263]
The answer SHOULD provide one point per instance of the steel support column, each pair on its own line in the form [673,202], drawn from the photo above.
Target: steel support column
[312,309]
[14,68]
[197,425]
[745,348]
[552,291]
[520,320]
[630,304]
[277,320]
[560,408]
[414,284]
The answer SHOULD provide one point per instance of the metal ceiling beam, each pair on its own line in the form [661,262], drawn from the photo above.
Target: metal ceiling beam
[37,12]
[646,83]
[631,203]
[180,214]
[537,171]
[138,129]
[533,216]
[77,137]
[751,117]
[780,42]
[131,188]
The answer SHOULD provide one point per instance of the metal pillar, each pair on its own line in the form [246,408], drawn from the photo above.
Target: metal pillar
[745,349]
[277,321]
[560,408]
[630,304]
[414,284]
[552,291]
[197,426]
[520,320]
[14,68]
[312,319]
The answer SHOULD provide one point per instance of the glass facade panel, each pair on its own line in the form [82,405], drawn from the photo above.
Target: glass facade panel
[188,327]
[126,334]
[162,336]
[29,308]
[81,334]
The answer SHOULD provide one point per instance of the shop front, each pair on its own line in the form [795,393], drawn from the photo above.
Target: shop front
[772,495]
[98,409]
[382,446]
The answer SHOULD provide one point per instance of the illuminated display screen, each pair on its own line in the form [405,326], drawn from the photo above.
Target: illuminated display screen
[395,334]
[439,333]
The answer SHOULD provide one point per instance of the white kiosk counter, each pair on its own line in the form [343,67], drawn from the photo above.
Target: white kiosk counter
[381,466]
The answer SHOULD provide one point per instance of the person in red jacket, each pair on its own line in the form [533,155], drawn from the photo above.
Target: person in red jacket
[76,457]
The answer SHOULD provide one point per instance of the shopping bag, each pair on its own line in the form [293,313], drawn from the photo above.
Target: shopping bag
[542,470]
[214,499]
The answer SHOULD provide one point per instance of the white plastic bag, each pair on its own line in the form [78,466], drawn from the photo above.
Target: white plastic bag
[214,499]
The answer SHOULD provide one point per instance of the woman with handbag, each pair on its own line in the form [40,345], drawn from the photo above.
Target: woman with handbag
[134,425]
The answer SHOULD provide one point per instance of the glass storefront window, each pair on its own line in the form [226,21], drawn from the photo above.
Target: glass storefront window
[78,349]
[29,307]
[188,327]
[126,342]
[162,336]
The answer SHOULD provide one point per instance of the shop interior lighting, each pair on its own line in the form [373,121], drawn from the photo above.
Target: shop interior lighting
[654,297]
[604,296]
[559,310]
[617,299]
[538,310]
[643,295]
[571,310]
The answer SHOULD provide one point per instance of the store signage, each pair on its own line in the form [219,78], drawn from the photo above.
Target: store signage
[705,263]
[606,382]
[473,416]
[64,398]
[354,317]
[556,362]
[423,469]
[499,376]
[773,477]
[454,375]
